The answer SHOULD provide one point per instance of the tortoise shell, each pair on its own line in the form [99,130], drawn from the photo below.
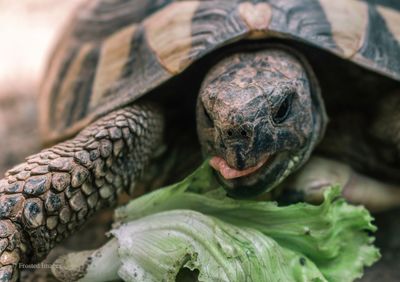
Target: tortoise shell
[114,52]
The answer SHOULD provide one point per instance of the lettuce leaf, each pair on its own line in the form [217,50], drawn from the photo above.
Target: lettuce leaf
[192,224]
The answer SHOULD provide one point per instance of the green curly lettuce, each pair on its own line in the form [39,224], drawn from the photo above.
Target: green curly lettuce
[191,225]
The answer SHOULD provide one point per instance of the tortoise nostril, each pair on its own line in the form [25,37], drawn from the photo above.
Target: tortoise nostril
[236,133]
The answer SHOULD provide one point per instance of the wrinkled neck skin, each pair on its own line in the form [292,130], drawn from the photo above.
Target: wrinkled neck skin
[259,116]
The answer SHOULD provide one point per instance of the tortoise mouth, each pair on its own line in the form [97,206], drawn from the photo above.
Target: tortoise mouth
[228,173]
[263,177]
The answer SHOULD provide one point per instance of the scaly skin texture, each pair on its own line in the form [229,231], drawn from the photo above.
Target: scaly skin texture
[53,193]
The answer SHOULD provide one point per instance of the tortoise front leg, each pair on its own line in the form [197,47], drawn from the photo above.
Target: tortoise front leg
[53,193]
[310,182]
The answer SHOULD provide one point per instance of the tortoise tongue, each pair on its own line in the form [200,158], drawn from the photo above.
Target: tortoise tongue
[220,165]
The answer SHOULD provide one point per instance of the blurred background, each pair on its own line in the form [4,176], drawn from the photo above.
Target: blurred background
[28,30]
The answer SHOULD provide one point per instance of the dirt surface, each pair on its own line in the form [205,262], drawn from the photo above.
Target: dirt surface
[20,72]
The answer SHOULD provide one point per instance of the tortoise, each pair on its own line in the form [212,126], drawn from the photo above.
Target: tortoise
[131,80]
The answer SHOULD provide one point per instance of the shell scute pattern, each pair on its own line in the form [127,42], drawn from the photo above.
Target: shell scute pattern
[125,57]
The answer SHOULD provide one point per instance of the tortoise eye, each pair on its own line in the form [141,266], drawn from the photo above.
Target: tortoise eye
[284,109]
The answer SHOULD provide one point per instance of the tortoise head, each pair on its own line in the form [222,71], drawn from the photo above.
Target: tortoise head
[259,116]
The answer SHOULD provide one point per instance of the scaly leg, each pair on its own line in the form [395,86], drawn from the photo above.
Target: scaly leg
[53,193]
[319,173]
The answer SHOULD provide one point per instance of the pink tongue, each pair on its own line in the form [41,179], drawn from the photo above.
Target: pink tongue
[219,164]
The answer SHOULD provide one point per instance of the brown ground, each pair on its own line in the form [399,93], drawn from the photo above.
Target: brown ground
[19,76]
